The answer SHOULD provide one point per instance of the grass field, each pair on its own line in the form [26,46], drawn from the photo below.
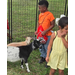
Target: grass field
[35,67]
[23,24]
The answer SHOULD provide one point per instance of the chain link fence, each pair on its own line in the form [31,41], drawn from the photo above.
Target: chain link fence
[23,16]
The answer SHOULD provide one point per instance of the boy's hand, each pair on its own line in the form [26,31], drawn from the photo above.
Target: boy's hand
[36,33]
[43,33]
[47,59]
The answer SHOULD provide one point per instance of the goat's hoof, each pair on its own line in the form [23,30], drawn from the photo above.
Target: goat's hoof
[22,66]
[28,70]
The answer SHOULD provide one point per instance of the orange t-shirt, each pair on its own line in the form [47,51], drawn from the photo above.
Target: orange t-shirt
[45,19]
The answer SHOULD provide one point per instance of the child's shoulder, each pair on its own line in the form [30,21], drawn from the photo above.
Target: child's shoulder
[51,16]
[54,34]
[50,13]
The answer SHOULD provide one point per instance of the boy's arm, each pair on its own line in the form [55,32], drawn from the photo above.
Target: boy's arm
[52,25]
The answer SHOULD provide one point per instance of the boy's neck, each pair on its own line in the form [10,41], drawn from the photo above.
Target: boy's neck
[44,11]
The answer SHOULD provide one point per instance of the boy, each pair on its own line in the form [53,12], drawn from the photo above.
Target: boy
[47,20]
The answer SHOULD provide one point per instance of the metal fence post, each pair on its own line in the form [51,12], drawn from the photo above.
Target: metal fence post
[11,20]
[36,15]
[9,17]
[65,7]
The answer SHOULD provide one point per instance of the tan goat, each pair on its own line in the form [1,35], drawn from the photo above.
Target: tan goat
[23,43]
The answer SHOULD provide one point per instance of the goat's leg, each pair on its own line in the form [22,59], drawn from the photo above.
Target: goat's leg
[22,63]
[27,66]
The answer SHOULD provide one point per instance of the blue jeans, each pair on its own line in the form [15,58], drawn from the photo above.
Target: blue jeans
[43,50]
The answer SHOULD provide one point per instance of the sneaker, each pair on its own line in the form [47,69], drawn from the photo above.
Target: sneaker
[42,60]
[46,65]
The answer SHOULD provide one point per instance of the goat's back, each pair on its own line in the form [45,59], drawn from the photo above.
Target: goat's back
[25,51]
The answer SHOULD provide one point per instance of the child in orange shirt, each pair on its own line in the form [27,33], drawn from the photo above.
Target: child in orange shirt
[47,21]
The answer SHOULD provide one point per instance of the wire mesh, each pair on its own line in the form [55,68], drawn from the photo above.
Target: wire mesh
[24,16]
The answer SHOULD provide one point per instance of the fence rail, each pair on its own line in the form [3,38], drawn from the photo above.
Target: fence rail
[23,16]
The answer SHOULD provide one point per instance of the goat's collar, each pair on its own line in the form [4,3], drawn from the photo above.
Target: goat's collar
[33,47]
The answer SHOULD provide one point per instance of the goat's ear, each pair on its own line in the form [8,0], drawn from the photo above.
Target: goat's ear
[40,38]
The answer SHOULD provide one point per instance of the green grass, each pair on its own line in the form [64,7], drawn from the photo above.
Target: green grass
[23,25]
[35,67]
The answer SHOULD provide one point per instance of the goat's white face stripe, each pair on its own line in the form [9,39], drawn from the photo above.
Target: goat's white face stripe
[33,47]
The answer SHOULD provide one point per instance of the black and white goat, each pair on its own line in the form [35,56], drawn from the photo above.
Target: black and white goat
[22,53]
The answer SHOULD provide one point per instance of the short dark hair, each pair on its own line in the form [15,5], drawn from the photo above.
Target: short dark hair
[63,22]
[44,2]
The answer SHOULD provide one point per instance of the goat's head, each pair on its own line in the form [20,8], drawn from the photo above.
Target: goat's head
[28,39]
[37,43]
